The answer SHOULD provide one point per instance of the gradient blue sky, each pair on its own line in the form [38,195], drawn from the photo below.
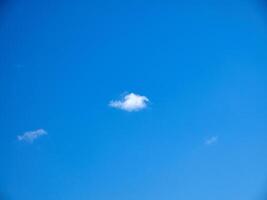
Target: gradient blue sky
[203,67]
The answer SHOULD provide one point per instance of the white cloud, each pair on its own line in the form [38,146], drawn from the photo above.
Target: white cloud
[130,102]
[30,136]
[211,140]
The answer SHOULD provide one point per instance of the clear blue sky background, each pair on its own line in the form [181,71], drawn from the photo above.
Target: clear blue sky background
[202,65]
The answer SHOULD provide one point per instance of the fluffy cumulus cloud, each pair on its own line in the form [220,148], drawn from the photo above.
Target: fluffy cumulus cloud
[130,102]
[211,140]
[31,136]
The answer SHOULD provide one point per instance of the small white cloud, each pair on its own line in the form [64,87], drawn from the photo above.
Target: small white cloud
[130,102]
[211,140]
[30,136]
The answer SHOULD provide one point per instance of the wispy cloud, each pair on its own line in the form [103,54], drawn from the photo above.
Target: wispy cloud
[130,102]
[211,140]
[30,136]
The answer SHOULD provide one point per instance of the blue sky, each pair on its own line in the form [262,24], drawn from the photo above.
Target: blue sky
[138,99]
